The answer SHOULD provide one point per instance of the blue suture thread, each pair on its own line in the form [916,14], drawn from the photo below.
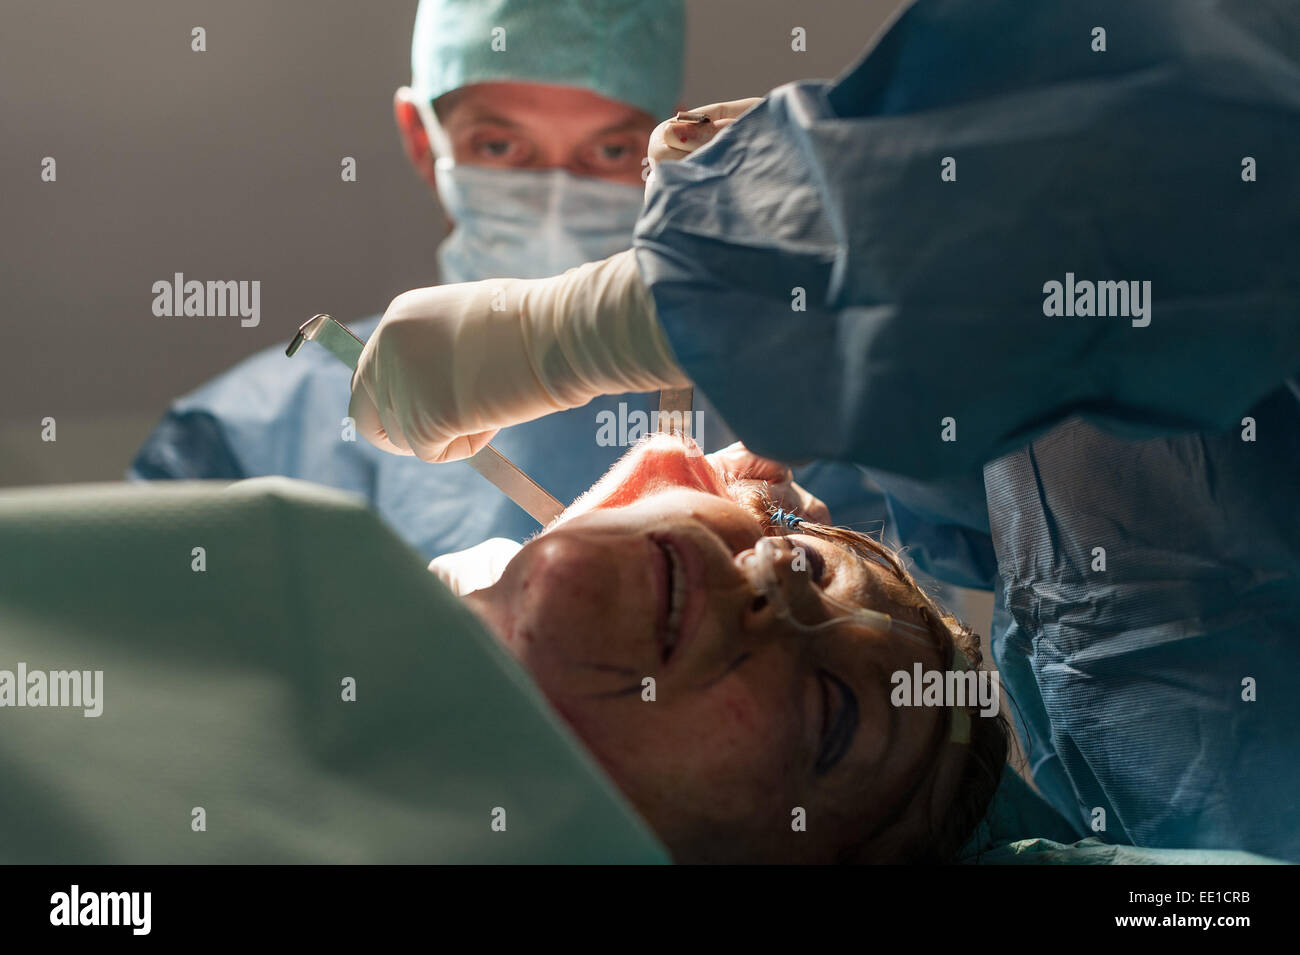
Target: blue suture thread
[792,520]
[789,519]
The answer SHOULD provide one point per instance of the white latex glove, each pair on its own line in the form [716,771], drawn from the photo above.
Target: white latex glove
[672,140]
[480,566]
[737,462]
[448,366]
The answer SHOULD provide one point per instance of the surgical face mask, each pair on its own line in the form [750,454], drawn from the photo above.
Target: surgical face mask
[530,223]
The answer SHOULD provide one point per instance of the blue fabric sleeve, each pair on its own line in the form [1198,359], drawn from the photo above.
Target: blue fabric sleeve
[186,446]
[837,298]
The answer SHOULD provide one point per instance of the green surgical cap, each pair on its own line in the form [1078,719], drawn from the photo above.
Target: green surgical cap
[627,50]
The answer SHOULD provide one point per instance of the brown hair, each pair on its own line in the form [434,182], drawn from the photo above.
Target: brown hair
[947,828]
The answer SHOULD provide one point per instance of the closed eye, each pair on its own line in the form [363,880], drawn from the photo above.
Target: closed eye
[816,564]
[839,721]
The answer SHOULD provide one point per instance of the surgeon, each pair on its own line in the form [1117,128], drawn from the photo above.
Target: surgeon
[904,268]
[535,156]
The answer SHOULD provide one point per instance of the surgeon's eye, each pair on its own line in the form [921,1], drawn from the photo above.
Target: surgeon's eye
[613,155]
[498,148]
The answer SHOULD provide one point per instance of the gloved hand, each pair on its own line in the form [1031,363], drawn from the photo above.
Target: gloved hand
[449,366]
[672,140]
[737,463]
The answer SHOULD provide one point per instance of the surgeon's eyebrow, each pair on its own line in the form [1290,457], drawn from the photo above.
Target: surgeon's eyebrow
[478,114]
[631,124]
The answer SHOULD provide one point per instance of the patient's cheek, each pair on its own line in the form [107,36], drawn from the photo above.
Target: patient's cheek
[756,733]
[740,716]
[725,736]
[621,742]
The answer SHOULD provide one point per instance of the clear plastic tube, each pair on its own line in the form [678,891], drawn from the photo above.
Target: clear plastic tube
[759,567]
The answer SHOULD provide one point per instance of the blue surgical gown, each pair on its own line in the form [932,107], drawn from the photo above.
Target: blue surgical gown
[836,297]
[858,270]
[1147,626]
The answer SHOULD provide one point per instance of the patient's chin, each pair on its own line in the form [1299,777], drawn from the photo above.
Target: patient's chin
[663,461]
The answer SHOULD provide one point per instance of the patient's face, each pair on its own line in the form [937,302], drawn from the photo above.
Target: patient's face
[751,717]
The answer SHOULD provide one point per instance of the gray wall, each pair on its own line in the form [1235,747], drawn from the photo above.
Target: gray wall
[225,165]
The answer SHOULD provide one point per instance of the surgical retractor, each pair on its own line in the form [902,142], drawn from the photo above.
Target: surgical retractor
[489,462]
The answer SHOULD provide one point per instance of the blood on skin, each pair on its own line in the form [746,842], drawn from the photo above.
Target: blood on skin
[687,132]
[738,709]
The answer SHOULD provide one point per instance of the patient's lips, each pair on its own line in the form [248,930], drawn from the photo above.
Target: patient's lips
[677,568]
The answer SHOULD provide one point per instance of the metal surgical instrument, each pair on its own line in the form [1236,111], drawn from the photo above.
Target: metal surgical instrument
[489,462]
[675,409]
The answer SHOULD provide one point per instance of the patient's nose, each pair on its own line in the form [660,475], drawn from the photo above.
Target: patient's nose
[781,576]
